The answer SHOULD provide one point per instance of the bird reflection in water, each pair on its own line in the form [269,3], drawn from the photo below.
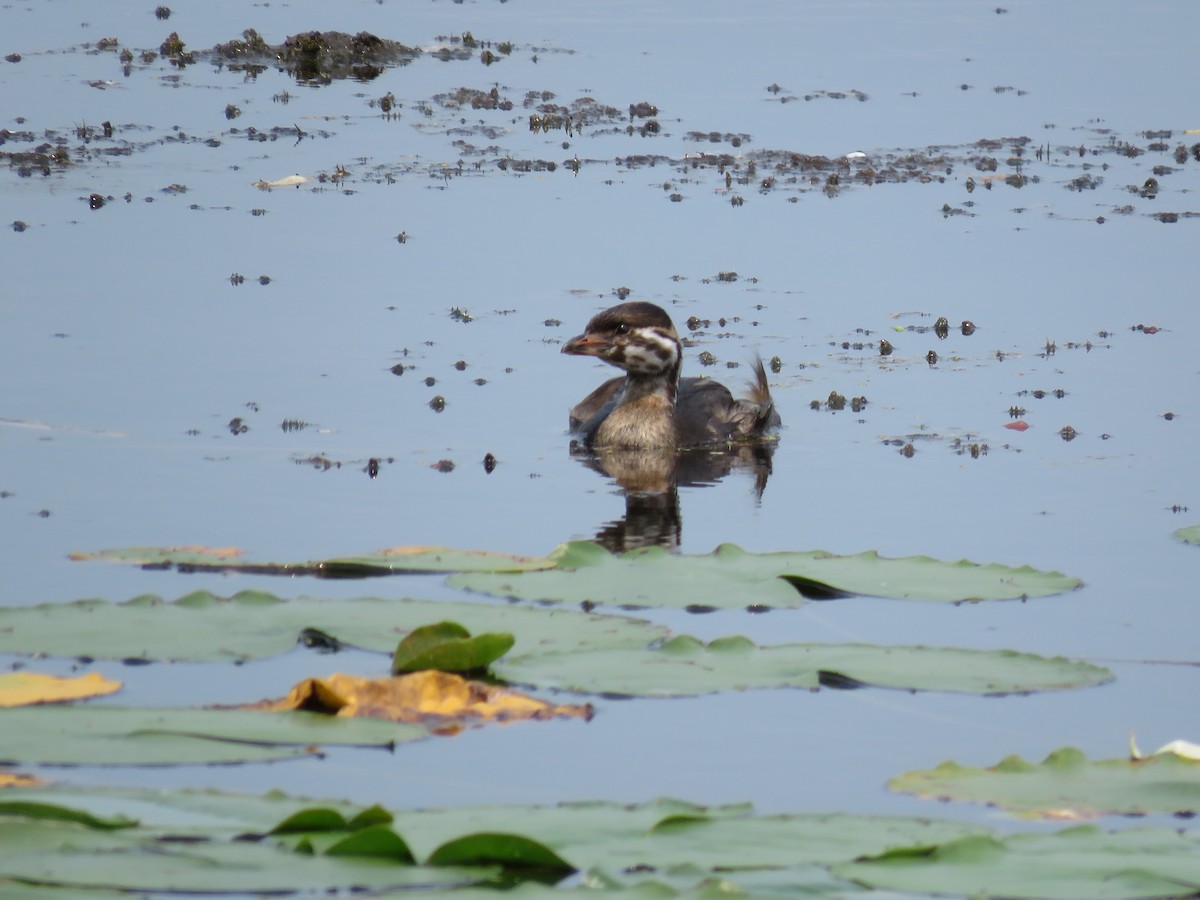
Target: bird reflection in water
[650,481]
[652,431]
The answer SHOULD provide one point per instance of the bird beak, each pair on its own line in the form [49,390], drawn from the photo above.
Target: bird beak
[586,345]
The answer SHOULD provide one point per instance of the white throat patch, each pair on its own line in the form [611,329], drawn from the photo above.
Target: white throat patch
[652,351]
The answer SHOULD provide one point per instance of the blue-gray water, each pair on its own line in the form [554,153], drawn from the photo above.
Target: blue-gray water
[122,333]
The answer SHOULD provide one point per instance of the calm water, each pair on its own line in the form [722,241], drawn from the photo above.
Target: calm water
[125,349]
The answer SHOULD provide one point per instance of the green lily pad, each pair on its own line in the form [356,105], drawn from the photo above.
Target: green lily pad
[556,648]
[117,736]
[203,627]
[731,578]
[374,841]
[392,561]
[185,842]
[501,849]
[448,647]
[308,820]
[372,815]
[53,812]
[1076,862]
[730,849]
[1189,535]
[617,845]
[406,560]
[13,890]
[201,813]
[61,854]
[1066,785]
[684,666]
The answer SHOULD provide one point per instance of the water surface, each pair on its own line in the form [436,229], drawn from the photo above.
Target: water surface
[127,350]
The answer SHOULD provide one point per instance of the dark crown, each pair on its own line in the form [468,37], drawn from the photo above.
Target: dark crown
[635,314]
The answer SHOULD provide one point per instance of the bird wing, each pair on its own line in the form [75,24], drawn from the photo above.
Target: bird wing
[592,409]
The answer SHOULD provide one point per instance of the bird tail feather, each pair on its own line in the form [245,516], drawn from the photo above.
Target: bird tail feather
[764,412]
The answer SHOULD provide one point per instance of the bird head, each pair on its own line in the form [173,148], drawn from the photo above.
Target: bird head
[637,337]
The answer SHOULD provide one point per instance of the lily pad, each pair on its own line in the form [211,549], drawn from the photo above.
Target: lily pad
[373,842]
[556,648]
[495,848]
[391,561]
[619,845]
[53,812]
[117,736]
[448,647]
[1066,785]
[1189,535]
[62,854]
[685,666]
[404,560]
[201,813]
[320,818]
[326,830]
[732,578]
[28,688]
[729,577]
[438,700]
[203,627]
[185,842]
[1083,861]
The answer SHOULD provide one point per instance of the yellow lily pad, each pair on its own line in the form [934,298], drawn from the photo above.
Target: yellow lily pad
[31,688]
[429,697]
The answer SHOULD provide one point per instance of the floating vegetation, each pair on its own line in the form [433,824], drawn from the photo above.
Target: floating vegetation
[1067,785]
[544,648]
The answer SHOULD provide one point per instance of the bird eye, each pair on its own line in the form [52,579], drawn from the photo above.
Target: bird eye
[621,328]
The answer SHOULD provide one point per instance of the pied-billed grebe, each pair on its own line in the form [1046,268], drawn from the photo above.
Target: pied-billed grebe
[651,406]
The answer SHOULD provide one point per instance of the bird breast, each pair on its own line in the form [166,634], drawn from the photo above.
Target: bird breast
[646,421]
